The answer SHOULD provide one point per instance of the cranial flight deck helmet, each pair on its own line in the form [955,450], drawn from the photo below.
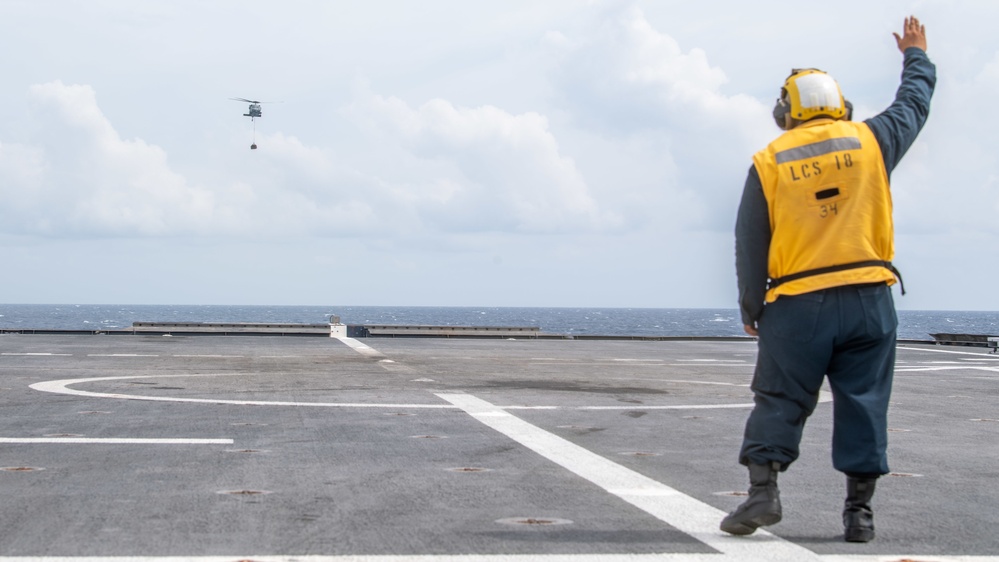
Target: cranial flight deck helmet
[809,93]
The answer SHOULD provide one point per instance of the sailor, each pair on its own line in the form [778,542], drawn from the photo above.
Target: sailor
[814,249]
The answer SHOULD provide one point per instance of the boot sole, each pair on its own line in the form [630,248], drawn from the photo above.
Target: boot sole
[749,526]
[859,535]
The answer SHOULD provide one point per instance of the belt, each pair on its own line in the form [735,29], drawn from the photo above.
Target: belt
[841,267]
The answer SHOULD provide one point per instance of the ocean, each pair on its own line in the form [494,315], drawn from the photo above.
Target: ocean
[701,322]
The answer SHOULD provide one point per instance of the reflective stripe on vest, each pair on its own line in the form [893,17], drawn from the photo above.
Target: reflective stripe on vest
[830,208]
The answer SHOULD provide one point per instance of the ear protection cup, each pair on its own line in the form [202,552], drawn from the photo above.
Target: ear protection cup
[781,109]
[849,110]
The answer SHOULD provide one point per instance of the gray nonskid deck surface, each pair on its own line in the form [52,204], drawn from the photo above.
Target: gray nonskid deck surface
[271,448]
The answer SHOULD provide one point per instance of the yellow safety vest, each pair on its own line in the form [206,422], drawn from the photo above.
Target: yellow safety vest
[830,208]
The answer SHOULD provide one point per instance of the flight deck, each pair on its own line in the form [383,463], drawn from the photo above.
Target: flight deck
[150,447]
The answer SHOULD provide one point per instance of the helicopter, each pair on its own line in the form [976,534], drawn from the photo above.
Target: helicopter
[253,112]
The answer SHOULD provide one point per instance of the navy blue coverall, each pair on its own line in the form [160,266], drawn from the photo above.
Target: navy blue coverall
[844,333]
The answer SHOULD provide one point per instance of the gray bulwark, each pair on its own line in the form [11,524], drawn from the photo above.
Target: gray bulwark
[231,328]
[453,331]
[288,329]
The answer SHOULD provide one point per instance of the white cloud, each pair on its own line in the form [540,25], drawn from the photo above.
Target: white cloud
[437,168]
[625,74]
[85,178]
[557,135]
[23,166]
[484,169]
[80,178]
[947,185]
[988,78]
[625,80]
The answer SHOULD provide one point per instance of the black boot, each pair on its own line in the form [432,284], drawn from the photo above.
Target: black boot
[763,505]
[858,519]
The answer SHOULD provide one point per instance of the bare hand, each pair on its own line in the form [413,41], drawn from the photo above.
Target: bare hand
[913,35]
[751,330]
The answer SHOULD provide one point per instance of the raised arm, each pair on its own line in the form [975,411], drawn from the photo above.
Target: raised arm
[896,128]
[913,35]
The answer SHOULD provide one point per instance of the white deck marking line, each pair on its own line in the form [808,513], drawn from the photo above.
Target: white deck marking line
[714,361]
[982,355]
[712,365]
[39,354]
[644,407]
[119,355]
[824,396]
[669,557]
[62,387]
[678,510]
[743,385]
[961,367]
[944,362]
[664,557]
[642,364]
[903,557]
[359,347]
[114,441]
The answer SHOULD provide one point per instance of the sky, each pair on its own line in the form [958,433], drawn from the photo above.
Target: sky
[564,153]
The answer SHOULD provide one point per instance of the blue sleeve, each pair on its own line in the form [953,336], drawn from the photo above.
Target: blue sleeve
[752,248]
[896,128]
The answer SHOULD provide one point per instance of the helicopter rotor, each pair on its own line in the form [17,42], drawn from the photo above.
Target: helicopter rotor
[252,101]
